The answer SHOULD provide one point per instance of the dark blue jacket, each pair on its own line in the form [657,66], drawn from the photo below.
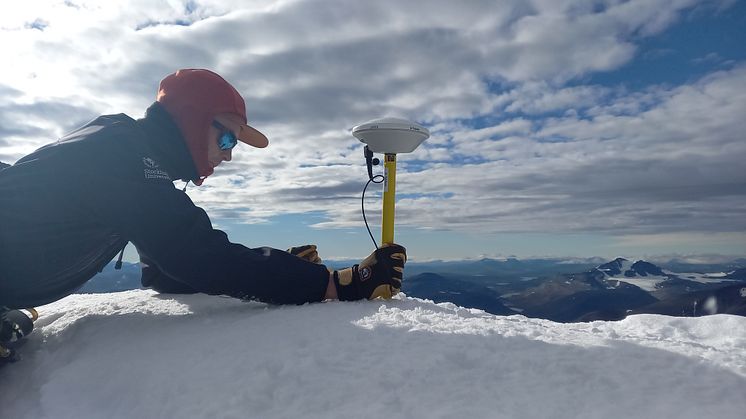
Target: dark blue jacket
[68,208]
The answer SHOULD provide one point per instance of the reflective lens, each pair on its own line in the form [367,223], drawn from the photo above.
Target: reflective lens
[226,139]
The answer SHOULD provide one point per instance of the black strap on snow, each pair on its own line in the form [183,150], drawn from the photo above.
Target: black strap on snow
[14,325]
[118,265]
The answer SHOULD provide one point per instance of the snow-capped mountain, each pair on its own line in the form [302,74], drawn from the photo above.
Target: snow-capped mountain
[652,278]
[613,290]
[621,266]
[641,274]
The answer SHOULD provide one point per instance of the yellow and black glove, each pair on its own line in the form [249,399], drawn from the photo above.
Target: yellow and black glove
[307,252]
[379,275]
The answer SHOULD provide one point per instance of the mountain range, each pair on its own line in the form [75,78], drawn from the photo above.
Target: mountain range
[551,289]
[609,291]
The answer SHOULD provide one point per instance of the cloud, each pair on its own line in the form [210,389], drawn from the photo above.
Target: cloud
[540,98]
[26,126]
[672,166]
[664,169]
[519,142]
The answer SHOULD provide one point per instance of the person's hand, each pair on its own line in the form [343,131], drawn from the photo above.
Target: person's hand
[307,252]
[379,275]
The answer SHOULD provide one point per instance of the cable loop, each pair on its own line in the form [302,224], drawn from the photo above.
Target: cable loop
[380,178]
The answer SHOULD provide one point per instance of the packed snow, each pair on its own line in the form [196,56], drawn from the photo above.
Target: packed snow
[650,282]
[647,283]
[703,278]
[137,354]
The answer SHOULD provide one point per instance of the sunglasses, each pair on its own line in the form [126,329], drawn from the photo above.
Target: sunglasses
[227,139]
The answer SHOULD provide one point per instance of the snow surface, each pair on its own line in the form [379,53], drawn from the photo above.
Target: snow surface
[647,283]
[704,278]
[137,354]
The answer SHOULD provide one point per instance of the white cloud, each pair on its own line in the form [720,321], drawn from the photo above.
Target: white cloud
[539,98]
[660,160]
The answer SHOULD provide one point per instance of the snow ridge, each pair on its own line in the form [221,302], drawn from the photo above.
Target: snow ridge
[139,354]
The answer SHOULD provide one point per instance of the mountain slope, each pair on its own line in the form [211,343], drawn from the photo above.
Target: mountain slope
[439,288]
[729,300]
[614,289]
[597,304]
[139,354]
[114,280]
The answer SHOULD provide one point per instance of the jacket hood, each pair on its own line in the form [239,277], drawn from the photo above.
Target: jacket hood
[167,142]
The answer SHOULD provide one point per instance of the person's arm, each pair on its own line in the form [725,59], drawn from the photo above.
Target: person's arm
[178,237]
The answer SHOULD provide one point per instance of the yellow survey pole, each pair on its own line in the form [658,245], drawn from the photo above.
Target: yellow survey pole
[389,198]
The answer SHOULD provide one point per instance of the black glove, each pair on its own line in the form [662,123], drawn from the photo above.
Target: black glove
[307,252]
[379,275]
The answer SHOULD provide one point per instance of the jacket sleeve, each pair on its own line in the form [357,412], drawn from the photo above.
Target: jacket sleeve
[152,277]
[177,236]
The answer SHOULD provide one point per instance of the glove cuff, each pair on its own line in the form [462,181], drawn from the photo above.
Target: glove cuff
[347,283]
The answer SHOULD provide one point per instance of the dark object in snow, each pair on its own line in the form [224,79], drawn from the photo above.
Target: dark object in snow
[14,326]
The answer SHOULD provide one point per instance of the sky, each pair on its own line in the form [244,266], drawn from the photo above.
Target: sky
[558,128]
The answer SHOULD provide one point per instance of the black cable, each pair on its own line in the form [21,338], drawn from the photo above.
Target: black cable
[372,179]
[118,265]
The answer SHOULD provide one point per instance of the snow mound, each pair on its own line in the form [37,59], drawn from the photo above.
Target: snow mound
[140,354]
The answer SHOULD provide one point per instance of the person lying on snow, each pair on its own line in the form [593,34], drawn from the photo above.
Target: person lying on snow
[71,206]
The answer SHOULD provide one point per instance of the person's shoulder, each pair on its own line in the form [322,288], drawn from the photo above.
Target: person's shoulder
[116,123]
[119,120]
[103,125]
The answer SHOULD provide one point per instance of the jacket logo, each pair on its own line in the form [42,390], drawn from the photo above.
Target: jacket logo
[365,273]
[152,170]
[150,163]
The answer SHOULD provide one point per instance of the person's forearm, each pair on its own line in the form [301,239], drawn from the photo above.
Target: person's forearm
[276,277]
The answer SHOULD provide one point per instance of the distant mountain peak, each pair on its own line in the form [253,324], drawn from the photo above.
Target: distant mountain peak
[615,267]
[624,267]
[642,268]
